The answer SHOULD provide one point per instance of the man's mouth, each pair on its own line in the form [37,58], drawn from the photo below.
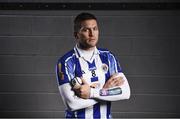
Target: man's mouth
[92,39]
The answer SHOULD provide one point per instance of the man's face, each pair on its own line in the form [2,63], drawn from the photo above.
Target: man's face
[87,37]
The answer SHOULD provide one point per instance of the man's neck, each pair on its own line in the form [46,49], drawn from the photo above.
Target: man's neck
[86,49]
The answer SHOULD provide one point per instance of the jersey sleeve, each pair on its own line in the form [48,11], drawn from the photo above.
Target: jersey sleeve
[114,64]
[61,74]
[124,94]
[64,71]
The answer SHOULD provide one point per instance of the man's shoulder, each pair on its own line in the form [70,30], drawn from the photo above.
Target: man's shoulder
[67,56]
[104,51]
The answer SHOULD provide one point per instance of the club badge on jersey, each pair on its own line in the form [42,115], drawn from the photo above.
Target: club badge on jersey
[105,67]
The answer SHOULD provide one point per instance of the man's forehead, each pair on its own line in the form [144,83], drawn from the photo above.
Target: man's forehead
[89,23]
[89,26]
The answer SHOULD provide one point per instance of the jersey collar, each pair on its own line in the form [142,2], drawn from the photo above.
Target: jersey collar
[79,54]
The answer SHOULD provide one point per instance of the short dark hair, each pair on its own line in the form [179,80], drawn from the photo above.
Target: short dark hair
[81,17]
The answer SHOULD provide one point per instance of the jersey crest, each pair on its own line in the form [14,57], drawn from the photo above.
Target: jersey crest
[105,67]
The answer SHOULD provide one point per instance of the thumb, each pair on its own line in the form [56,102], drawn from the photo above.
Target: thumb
[115,75]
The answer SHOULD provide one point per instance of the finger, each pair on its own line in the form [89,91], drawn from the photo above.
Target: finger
[121,82]
[118,78]
[76,87]
[118,82]
[94,85]
[113,76]
[84,81]
[111,79]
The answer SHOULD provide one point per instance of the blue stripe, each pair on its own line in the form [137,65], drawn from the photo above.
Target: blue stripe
[114,64]
[108,110]
[94,79]
[78,71]
[96,111]
[81,113]
[69,114]
[92,66]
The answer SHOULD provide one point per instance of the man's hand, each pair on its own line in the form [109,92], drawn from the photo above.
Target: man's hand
[84,90]
[95,85]
[113,81]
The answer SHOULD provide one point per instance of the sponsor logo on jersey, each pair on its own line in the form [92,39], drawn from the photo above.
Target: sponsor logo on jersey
[61,74]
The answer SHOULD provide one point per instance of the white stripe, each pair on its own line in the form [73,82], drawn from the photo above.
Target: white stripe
[89,113]
[115,64]
[69,76]
[69,57]
[103,111]
[100,73]
[101,51]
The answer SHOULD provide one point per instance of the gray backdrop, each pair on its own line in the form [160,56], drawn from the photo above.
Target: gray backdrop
[146,43]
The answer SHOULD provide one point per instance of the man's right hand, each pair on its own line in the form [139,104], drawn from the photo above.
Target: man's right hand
[84,90]
[113,81]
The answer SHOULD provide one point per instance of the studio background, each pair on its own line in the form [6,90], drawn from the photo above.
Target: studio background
[147,43]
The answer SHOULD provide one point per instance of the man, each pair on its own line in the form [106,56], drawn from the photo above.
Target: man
[90,78]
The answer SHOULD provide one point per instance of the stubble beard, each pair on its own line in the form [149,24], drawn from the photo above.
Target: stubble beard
[87,46]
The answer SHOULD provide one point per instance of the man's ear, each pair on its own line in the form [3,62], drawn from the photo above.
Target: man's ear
[75,35]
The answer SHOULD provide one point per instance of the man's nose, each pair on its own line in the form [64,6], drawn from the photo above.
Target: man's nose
[91,32]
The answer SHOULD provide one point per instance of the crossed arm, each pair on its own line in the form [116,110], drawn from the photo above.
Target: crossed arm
[86,95]
[115,81]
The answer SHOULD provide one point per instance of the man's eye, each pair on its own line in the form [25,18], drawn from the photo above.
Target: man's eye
[85,30]
[89,29]
[95,28]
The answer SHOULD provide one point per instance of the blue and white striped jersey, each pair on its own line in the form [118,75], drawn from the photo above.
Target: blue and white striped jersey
[97,70]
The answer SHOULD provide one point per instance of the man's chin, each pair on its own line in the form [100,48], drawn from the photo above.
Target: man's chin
[93,44]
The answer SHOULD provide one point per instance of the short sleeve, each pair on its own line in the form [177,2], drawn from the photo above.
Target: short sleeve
[114,64]
[63,72]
